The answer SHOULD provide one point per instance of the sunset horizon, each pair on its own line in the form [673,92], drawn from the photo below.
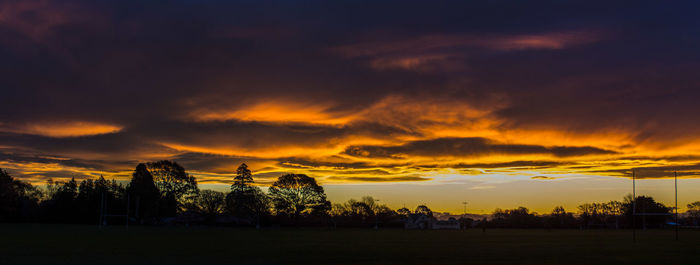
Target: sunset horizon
[431,105]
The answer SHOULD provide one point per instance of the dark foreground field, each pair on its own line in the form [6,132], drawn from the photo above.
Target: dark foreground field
[64,244]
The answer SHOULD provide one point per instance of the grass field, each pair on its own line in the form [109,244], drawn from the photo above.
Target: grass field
[67,244]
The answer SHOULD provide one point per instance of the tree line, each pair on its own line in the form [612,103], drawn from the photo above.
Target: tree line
[162,192]
[608,215]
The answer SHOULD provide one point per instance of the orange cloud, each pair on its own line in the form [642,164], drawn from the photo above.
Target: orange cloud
[431,137]
[277,111]
[62,129]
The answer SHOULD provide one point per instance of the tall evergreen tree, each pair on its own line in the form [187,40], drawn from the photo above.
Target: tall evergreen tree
[244,177]
[245,200]
[144,194]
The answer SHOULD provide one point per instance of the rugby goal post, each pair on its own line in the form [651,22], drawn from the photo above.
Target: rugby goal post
[634,206]
[104,214]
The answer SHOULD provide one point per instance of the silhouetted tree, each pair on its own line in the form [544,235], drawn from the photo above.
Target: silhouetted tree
[244,177]
[18,199]
[590,214]
[174,184]
[337,213]
[247,201]
[294,194]
[559,218]
[422,209]
[515,218]
[381,213]
[604,215]
[371,203]
[209,203]
[694,212]
[144,194]
[362,213]
[358,209]
[421,218]
[558,211]
[646,204]
[403,211]
[93,193]
[615,209]
[62,205]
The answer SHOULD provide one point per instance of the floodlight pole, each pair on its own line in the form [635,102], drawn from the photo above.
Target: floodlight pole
[464,217]
[634,209]
[675,184]
[376,218]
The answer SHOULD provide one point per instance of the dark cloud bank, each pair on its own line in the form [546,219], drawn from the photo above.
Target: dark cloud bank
[146,67]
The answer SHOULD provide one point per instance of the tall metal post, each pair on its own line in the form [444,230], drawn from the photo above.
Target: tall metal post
[464,217]
[675,184]
[376,218]
[128,203]
[634,209]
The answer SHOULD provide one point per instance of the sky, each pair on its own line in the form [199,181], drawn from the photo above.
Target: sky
[496,103]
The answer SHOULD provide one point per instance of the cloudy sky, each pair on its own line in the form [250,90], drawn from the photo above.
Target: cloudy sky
[499,103]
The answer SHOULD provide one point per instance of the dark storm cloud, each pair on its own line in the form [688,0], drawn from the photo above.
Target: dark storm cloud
[212,163]
[651,172]
[514,164]
[149,138]
[138,60]
[13,156]
[155,58]
[333,165]
[675,158]
[258,134]
[332,162]
[147,61]
[468,147]
[117,145]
